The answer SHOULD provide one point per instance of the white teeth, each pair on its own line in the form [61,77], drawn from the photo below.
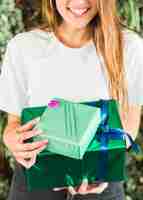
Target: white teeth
[79,11]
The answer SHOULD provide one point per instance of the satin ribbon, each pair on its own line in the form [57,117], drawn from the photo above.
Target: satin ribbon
[108,133]
[104,136]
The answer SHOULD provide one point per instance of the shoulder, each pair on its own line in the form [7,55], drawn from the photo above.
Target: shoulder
[133,57]
[133,51]
[32,37]
[33,42]
[132,41]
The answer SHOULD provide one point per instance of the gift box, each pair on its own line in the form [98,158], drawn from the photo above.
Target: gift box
[69,127]
[104,159]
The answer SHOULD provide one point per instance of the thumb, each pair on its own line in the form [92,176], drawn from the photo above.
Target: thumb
[71,190]
[28,163]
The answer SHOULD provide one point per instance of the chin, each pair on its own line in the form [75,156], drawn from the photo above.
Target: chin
[78,24]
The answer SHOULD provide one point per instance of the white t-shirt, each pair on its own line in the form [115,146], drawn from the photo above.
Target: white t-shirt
[38,67]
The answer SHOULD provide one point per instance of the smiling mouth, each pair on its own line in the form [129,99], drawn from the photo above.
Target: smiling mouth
[78,12]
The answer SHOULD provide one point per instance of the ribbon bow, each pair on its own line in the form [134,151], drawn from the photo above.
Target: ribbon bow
[108,133]
[104,136]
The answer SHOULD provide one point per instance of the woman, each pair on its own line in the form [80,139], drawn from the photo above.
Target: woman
[82,53]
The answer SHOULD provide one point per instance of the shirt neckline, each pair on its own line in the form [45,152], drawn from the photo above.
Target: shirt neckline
[88,44]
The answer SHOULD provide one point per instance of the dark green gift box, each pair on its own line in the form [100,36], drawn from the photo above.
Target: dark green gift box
[52,170]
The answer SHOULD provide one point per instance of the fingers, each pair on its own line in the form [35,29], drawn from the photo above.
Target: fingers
[27,163]
[83,187]
[28,159]
[25,153]
[97,189]
[28,125]
[72,190]
[31,146]
[29,154]
[29,134]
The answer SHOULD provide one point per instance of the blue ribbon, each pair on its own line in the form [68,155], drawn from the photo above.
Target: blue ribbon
[108,133]
[104,135]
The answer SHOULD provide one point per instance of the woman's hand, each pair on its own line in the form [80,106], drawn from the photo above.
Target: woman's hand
[86,188]
[24,153]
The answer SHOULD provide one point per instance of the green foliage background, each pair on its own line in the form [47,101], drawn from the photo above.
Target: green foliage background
[17,16]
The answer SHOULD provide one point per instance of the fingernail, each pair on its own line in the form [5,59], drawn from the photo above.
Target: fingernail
[45,141]
[37,132]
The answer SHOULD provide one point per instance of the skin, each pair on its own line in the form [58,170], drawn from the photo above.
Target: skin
[70,27]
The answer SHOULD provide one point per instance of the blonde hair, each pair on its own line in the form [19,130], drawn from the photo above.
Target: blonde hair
[108,39]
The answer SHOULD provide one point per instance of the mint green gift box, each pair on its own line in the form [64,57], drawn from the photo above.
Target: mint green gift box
[53,170]
[69,127]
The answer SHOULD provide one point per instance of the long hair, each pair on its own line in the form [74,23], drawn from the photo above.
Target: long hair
[108,39]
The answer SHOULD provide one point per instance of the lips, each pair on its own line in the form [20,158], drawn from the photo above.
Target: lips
[78,11]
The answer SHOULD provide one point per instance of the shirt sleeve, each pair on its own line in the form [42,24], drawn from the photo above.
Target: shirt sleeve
[135,71]
[13,82]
